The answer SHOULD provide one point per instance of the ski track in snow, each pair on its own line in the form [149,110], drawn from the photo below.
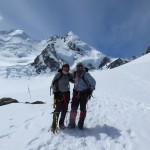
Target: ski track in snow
[101,131]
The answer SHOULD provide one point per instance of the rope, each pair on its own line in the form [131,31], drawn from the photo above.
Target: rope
[50,90]
[54,104]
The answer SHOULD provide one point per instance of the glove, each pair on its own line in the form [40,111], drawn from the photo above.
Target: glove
[55,95]
[89,91]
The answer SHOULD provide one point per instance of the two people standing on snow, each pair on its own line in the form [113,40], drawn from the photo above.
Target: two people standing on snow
[84,84]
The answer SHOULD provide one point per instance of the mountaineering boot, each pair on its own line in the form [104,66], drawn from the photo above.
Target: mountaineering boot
[71,125]
[73,115]
[61,124]
[61,121]
[54,126]
[80,124]
[81,120]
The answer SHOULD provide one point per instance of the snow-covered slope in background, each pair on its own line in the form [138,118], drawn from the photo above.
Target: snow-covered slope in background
[21,56]
[117,117]
[17,48]
[17,51]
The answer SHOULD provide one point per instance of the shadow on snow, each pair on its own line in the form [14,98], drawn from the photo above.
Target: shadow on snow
[110,131]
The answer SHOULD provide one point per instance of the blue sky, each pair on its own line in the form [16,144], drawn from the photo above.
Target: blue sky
[118,28]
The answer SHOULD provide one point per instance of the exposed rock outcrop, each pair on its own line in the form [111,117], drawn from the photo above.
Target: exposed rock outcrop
[104,62]
[116,63]
[47,59]
[7,100]
[36,102]
[148,50]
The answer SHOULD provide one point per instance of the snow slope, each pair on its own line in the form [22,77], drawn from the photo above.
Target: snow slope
[117,117]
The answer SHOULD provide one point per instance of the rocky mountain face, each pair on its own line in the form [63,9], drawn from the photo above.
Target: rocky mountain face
[116,63]
[22,56]
[72,49]
[46,60]
[148,50]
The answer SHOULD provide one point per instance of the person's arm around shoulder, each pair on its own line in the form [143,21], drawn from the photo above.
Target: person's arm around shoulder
[72,77]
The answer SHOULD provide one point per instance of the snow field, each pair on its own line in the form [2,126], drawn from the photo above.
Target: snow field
[117,117]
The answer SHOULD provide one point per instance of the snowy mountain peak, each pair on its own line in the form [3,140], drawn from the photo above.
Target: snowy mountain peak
[70,33]
[22,56]
[19,33]
[72,36]
[15,33]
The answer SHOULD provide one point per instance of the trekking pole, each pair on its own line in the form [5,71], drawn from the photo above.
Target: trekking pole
[50,90]
[29,92]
